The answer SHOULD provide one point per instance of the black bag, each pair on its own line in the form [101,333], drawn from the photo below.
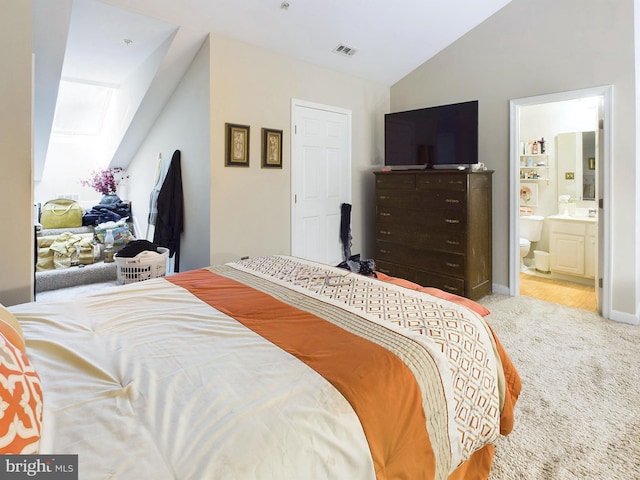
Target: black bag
[363,267]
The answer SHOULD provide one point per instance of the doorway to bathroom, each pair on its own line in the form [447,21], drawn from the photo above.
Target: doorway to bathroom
[560,161]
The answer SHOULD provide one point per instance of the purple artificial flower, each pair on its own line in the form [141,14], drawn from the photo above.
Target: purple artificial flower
[104,181]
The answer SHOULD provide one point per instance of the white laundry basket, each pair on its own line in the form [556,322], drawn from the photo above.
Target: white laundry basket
[143,266]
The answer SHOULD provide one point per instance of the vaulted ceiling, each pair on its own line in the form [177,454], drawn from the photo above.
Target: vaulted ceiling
[141,48]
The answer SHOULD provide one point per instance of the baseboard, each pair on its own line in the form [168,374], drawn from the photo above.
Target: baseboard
[501,289]
[624,317]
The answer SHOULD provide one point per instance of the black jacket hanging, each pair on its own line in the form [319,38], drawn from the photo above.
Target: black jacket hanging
[170,219]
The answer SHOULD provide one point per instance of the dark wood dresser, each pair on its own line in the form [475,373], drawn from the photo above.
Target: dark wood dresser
[433,227]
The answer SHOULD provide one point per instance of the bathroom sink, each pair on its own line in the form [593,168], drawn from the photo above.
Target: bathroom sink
[573,218]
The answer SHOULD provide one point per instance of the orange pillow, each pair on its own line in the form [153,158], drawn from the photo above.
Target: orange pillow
[20,392]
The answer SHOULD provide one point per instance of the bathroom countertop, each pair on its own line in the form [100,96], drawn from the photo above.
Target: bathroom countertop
[573,218]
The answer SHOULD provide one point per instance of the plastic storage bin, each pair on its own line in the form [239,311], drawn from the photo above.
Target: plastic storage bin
[144,266]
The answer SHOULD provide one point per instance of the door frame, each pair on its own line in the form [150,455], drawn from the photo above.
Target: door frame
[604,187]
[295,104]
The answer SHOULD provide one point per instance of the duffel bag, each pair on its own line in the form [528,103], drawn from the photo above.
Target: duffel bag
[61,213]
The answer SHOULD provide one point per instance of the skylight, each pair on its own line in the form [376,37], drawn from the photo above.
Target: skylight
[81,108]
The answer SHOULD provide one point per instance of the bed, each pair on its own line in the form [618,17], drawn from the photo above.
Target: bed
[266,368]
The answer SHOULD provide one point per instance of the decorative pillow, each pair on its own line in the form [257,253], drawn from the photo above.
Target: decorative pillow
[20,392]
[10,328]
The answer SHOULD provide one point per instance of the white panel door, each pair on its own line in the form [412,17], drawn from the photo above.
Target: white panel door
[321,179]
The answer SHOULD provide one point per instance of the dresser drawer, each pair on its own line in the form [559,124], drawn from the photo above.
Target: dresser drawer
[421,238]
[443,282]
[401,200]
[450,220]
[447,181]
[422,277]
[425,200]
[396,181]
[438,262]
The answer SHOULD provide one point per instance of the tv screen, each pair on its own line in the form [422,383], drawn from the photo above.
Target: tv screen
[445,135]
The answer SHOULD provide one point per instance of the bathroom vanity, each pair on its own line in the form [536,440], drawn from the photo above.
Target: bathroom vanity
[573,245]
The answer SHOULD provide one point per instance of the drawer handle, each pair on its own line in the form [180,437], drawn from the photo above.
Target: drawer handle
[453,242]
[385,214]
[450,288]
[453,265]
[385,232]
[384,251]
[383,197]
[452,220]
[452,200]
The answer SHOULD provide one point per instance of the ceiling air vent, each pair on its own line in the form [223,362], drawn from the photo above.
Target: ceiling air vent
[345,50]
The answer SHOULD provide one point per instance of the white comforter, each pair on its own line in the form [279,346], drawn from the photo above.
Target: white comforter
[154,389]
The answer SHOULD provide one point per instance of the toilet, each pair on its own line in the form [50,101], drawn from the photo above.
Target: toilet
[530,231]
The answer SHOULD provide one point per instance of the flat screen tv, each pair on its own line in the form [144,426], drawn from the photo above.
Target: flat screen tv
[445,136]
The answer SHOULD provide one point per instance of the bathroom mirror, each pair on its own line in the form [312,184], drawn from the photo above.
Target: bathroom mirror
[576,165]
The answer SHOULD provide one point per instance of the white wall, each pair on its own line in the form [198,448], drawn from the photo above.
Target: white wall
[247,210]
[183,125]
[250,207]
[16,163]
[636,132]
[536,47]
[72,158]
[128,97]
[69,160]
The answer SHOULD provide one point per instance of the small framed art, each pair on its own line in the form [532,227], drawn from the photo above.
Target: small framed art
[529,194]
[271,148]
[237,145]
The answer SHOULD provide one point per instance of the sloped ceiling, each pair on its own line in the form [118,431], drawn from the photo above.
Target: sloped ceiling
[85,40]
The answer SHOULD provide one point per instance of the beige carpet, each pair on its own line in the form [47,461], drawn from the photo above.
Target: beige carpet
[578,416]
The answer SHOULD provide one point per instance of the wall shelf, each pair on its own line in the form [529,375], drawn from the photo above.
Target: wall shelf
[534,168]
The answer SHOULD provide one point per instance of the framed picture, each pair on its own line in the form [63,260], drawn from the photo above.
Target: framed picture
[237,145]
[271,148]
[529,194]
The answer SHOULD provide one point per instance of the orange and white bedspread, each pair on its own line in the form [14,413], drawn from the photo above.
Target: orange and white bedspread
[269,368]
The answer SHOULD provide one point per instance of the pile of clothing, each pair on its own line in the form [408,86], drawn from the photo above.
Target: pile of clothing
[63,250]
[135,247]
[106,212]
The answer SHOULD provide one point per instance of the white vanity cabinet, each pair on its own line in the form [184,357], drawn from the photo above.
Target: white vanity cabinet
[572,245]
